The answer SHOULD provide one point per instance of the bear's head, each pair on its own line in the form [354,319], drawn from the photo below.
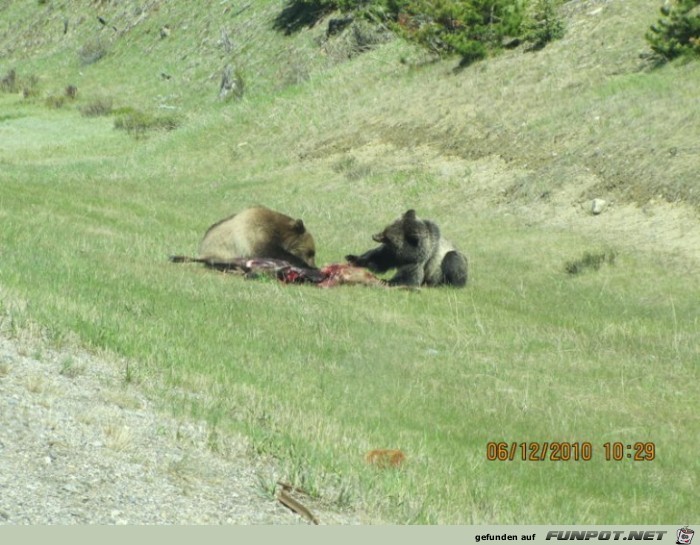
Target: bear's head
[299,242]
[409,239]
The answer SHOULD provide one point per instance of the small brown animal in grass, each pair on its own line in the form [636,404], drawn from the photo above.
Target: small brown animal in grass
[385,458]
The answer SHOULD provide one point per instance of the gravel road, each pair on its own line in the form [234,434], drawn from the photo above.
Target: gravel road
[78,446]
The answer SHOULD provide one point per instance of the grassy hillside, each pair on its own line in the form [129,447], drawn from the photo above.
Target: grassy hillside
[505,155]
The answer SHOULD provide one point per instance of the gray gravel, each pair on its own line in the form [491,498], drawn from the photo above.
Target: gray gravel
[78,446]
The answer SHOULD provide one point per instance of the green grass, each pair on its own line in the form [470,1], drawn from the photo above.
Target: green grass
[316,378]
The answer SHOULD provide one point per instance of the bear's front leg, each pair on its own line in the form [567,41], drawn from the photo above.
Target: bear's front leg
[377,260]
[408,275]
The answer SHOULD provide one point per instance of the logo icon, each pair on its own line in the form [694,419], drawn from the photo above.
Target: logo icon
[684,536]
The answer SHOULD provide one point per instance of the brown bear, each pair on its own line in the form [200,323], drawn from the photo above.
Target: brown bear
[416,249]
[256,232]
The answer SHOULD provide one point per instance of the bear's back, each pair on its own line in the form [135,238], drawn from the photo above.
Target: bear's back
[258,232]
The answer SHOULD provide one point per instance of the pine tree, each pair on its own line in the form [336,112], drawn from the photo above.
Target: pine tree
[677,33]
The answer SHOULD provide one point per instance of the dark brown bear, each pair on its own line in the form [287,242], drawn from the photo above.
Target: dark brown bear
[415,248]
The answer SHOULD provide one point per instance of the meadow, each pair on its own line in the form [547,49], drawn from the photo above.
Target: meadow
[504,155]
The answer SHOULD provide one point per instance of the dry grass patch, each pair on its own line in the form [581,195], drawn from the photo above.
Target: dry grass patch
[35,384]
[124,400]
[118,437]
[97,107]
[71,368]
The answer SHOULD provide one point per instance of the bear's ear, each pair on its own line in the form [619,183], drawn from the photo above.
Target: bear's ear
[299,227]
[410,225]
[380,237]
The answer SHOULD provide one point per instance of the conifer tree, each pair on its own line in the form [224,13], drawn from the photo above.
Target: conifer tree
[677,33]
